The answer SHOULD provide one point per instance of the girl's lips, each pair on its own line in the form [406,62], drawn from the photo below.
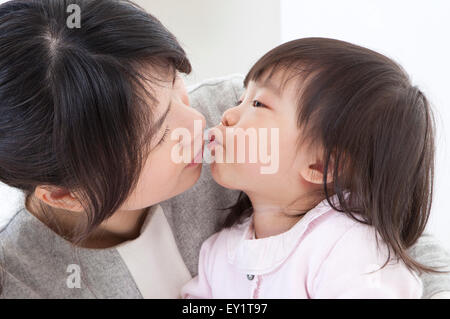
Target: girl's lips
[213,142]
[212,145]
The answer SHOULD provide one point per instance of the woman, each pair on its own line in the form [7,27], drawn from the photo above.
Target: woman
[85,119]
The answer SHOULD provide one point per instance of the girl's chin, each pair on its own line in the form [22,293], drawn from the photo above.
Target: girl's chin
[217,171]
[224,175]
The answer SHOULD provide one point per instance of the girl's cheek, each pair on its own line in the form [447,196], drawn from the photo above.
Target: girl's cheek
[288,150]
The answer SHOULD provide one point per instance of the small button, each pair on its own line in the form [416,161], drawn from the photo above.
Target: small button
[250,277]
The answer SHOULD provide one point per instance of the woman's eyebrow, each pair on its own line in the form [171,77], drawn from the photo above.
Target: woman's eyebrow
[161,120]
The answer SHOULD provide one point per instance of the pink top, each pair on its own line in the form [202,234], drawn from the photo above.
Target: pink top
[325,255]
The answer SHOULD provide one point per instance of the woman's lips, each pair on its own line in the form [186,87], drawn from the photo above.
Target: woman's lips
[197,158]
[213,142]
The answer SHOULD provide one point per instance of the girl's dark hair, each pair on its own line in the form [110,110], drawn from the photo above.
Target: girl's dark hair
[376,130]
[74,104]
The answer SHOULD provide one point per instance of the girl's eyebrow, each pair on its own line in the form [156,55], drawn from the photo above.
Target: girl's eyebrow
[267,84]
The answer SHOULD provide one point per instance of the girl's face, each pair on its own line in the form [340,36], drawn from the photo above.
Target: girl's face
[162,177]
[264,105]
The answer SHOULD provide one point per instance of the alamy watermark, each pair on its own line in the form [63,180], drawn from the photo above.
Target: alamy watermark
[257,140]
[74,279]
[74,19]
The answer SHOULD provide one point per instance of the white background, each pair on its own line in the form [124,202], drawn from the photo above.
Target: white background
[220,36]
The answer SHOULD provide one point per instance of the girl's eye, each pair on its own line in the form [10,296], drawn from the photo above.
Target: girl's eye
[238,103]
[166,132]
[256,103]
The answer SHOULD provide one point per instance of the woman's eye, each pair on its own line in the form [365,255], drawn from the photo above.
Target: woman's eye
[256,103]
[166,132]
[238,103]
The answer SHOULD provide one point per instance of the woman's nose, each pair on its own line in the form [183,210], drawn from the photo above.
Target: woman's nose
[230,117]
[197,116]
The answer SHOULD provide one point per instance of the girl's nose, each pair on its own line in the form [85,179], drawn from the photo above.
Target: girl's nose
[230,117]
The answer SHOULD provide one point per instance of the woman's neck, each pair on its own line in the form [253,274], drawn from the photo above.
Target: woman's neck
[120,227]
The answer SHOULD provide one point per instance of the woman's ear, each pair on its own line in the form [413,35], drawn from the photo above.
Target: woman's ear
[58,197]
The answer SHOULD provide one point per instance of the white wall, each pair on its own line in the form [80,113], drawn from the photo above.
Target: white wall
[414,33]
[220,36]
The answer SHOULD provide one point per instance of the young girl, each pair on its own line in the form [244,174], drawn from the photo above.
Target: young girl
[353,187]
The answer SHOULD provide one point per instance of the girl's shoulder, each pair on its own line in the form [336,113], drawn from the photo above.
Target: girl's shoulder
[353,253]
[344,234]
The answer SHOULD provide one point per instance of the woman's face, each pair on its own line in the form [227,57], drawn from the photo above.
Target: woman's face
[163,176]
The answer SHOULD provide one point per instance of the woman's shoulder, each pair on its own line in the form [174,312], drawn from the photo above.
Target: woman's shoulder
[17,229]
[18,248]
[214,96]
[11,202]
[37,263]
[233,82]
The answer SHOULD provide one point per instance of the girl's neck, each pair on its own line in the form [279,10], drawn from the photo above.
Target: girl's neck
[271,219]
[272,224]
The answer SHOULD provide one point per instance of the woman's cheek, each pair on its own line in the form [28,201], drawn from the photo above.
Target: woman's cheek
[159,171]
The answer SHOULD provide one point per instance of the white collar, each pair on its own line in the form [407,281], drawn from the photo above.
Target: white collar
[259,256]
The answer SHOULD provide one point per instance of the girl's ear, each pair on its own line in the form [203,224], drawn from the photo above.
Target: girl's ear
[312,168]
[58,197]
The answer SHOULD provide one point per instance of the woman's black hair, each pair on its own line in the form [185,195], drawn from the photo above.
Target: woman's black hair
[376,130]
[75,110]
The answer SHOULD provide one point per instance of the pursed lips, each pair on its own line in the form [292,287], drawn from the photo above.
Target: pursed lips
[199,154]
[214,141]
